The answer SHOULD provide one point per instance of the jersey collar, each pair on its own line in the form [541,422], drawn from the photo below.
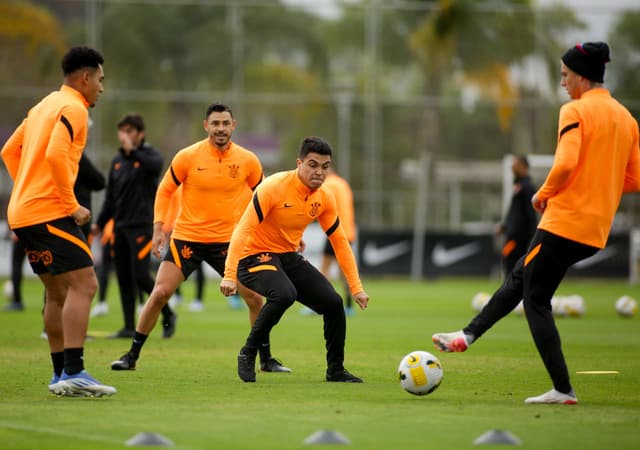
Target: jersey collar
[69,90]
[300,187]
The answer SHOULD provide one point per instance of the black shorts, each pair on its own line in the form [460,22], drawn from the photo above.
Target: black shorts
[189,255]
[55,247]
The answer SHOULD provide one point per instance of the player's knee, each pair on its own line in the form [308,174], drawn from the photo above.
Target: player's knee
[161,294]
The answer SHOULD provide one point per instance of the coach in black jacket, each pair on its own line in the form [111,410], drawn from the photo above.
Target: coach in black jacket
[521,221]
[131,190]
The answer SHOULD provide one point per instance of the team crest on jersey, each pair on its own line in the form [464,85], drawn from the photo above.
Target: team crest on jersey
[315,206]
[116,166]
[186,252]
[36,256]
[234,170]
[265,257]
[140,239]
[136,164]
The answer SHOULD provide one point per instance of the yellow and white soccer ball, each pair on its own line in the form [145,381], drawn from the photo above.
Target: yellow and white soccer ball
[626,306]
[574,306]
[479,300]
[420,373]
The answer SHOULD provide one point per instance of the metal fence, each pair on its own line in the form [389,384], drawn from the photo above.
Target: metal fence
[421,100]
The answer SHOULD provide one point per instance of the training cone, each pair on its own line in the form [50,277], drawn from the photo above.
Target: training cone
[327,437]
[493,437]
[149,439]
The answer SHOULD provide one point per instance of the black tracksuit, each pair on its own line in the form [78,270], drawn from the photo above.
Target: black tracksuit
[131,190]
[520,223]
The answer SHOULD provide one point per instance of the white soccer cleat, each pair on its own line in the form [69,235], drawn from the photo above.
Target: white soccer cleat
[175,300]
[100,309]
[553,397]
[196,306]
[81,385]
[450,342]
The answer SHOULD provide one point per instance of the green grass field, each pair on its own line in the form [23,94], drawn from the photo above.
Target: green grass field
[186,387]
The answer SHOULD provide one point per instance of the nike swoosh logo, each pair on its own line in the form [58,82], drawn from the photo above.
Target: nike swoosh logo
[286,205]
[605,253]
[443,257]
[201,168]
[373,255]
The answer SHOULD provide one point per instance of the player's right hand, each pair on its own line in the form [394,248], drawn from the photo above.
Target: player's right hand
[228,287]
[81,215]
[158,243]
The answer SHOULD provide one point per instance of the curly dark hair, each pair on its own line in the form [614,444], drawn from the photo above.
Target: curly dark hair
[79,58]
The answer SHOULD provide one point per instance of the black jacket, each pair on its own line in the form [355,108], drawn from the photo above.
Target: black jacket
[521,221]
[89,179]
[131,188]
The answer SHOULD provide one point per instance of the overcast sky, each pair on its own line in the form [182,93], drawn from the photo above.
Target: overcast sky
[598,14]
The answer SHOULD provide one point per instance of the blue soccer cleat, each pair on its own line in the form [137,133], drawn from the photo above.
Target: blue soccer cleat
[80,384]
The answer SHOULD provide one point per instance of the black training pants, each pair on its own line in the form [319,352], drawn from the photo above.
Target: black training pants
[534,279]
[284,278]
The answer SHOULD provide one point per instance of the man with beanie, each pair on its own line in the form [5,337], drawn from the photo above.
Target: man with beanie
[596,160]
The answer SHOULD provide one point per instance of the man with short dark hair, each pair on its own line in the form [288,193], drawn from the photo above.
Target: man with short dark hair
[216,177]
[521,220]
[597,159]
[42,157]
[263,256]
[131,190]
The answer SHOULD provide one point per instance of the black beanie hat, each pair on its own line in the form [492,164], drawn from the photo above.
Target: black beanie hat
[588,59]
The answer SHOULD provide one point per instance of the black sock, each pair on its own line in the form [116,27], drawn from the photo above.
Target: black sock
[265,351]
[137,343]
[248,350]
[73,360]
[167,312]
[57,359]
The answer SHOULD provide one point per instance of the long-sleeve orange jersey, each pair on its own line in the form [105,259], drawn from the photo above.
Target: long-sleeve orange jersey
[275,221]
[42,157]
[597,159]
[216,187]
[344,201]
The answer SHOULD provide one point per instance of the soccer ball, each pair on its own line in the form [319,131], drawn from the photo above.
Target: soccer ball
[420,373]
[568,306]
[479,301]
[574,306]
[7,290]
[626,306]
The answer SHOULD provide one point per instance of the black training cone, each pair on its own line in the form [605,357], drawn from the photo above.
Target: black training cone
[493,437]
[327,437]
[149,439]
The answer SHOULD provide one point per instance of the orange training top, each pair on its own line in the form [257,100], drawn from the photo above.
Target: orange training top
[216,187]
[275,221]
[172,212]
[597,159]
[344,201]
[42,157]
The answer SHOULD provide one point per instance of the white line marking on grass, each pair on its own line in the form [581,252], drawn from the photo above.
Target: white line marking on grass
[72,434]
[598,372]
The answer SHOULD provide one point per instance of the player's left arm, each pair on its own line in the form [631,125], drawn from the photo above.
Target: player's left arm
[632,172]
[66,143]
[255,173]
[12,150]
[330,223]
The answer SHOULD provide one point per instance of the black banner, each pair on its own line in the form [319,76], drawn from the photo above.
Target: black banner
[457,254]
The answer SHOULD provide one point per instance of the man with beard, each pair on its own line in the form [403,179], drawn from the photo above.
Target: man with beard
[217,178]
